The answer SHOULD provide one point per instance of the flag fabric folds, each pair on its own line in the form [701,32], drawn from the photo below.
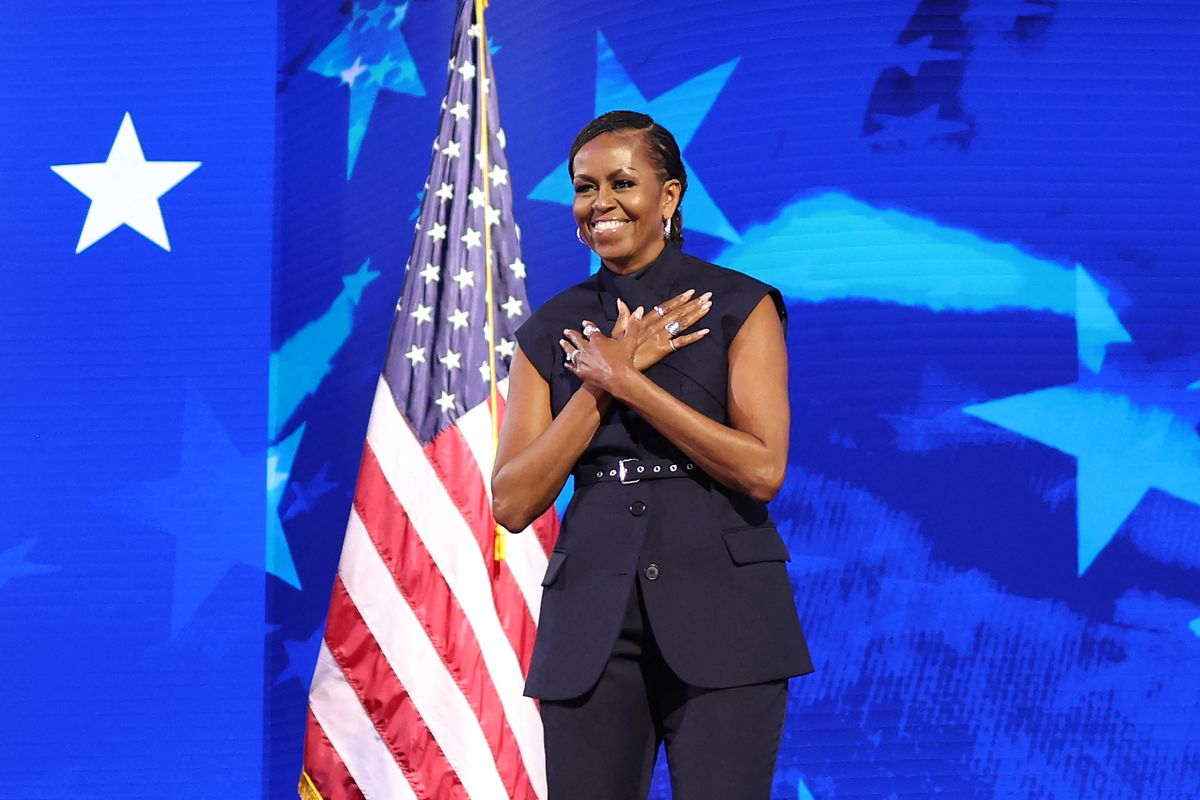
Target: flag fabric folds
[417,691]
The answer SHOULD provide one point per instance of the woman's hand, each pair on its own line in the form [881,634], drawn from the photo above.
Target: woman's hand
[644,340]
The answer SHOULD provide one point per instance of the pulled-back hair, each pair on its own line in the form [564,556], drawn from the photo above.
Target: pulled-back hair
[663,149]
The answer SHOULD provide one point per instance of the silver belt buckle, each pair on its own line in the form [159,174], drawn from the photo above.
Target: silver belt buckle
[622,471]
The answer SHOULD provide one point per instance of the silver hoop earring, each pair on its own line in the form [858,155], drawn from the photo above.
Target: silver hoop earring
[667,229]
[579,236]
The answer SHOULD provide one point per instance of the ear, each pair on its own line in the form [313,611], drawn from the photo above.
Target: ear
[670,197]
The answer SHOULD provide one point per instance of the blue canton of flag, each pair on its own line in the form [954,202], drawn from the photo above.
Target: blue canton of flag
[438,365]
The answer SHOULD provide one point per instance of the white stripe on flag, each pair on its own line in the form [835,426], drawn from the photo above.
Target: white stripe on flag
[416,663]
[453,547]
[525,556]
[353,735]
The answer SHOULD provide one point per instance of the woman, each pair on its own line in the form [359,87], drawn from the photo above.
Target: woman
[666,610]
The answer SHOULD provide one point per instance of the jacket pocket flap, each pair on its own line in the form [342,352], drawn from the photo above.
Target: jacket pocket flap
[753,544]
[557,557]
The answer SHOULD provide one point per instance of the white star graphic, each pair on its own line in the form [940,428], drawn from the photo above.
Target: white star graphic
[485,372]
[506,348]
[445,402]
[432,273]
[499,176]
[437,232]
[464,278]
[422,314]
[493,215]
[350,74]
[452,150]
[476,197]
[445,192]
[518,268]
[461,110]
[452,360]
[467,70]
[513,307]
[471,238]
[459,318]
[124,190]
[416,355]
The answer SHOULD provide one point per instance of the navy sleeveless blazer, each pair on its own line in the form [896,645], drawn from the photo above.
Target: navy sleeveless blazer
[719,603]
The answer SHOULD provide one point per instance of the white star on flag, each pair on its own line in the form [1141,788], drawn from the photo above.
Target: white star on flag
[467,70]
[485,371]
[445,402]
[464,278]
[452,150]
[499,175]
[416,355]
[493,215]
[461,110]
[452,360]
[473,31]
[476,197]
[506,348]
[423,314]
[432,273]
[124,189]
[437,232]
[518,268]
[471,238]
[445,192]
[512,307]
[458,318]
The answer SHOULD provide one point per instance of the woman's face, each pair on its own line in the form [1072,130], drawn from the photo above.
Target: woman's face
[620,205]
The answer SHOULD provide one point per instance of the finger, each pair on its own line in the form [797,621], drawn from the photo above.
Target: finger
[622,309]
[689,338]
[575,337]
[688,313]
[639,313]
[676,301]
[567,346]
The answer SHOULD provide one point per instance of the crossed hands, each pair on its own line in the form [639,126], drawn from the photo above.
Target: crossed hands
[638,341]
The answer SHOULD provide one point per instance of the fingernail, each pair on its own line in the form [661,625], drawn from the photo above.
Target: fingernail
[689,293]
[566,331]
[703,332]
[640,311]
[706,295]
[706,305]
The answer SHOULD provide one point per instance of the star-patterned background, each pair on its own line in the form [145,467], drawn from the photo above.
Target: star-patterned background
[982,214]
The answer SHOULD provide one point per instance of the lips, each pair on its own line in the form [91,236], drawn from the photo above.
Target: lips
[604,226]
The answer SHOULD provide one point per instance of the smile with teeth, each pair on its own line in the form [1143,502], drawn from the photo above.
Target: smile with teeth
[606,225]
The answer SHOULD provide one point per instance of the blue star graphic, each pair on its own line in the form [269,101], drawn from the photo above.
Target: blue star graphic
[680,110]
[15,563]
[205,505]
[302,657]
[369,55]
[1128,433]
[307,494]
[280,457]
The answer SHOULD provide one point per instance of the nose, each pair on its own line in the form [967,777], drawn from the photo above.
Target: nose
[604,200]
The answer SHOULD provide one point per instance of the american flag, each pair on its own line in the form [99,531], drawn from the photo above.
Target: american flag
[417,691]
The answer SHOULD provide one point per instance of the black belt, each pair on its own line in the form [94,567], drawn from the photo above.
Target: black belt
[633,470]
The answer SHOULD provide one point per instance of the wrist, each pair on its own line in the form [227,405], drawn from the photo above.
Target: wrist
[626,383]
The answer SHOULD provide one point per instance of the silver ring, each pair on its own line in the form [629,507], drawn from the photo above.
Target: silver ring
[662,312]
[571,356]
[672,327]
[589,329]
[671,342]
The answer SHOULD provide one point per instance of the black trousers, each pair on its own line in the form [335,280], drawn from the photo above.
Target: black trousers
[721,743]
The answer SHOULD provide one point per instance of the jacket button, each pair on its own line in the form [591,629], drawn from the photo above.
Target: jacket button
[651,572]
[637,508]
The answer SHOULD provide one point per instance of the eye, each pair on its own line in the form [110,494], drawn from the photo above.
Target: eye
[580,188]
[624,184]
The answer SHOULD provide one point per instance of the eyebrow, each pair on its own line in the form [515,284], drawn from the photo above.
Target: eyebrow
[614,173]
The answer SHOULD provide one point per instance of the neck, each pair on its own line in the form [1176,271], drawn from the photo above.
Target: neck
[633,263]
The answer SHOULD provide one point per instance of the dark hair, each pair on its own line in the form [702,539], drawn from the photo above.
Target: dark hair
[664,151]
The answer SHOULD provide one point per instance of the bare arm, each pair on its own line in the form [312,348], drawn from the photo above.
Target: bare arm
[537,452]
[749,454]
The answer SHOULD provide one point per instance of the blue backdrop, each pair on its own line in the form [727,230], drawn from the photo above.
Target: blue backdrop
[982,214]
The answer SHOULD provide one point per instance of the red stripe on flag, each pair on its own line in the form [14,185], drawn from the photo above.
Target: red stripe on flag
[387,702]
[440,614]
[459,472]
[324,766]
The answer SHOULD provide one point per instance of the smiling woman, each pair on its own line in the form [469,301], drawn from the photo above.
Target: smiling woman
[667,616]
